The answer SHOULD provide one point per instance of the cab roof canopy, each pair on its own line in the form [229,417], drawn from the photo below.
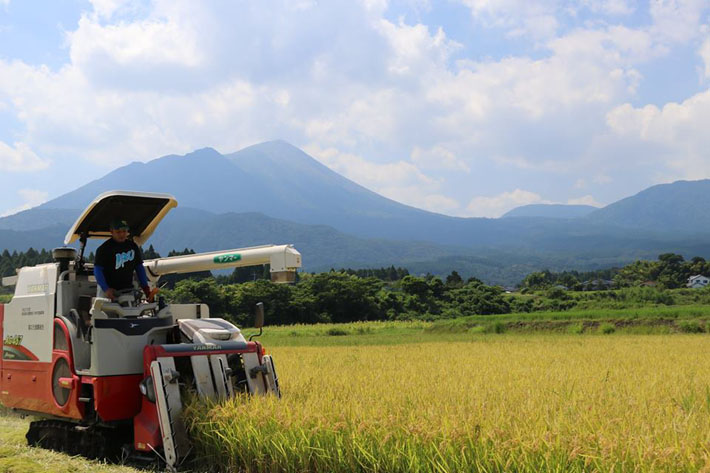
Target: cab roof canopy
[143,211]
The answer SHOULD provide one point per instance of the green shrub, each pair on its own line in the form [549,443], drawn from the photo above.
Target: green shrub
[607,328]
[576,329]
[336,332]
[691,326]
[495,327]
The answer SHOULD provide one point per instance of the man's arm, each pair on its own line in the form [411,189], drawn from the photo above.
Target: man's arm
[101,280]
[143,277]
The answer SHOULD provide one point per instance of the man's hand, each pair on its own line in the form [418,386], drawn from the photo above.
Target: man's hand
[150,293]
[110,293]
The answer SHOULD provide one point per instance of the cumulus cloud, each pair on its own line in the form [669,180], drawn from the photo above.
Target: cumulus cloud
[497,205]
[677,21]
[20,158]
[30,198]
[413,195]
[519,17]
[585,200]
[367,173]
[398,106]
[401,180]
[705,55]
[677,129]
[438,157]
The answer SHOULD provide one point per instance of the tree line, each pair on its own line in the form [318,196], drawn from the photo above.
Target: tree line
[337,296]
[392,294]
[669,271]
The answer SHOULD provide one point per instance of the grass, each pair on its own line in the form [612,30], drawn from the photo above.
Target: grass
[658,319]
[511,402]
[17,457]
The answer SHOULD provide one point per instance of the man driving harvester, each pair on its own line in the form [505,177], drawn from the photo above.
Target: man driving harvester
[116,260]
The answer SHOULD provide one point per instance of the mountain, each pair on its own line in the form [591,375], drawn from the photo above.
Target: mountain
[681,207]
[274,178]
[276,193]
[551,211]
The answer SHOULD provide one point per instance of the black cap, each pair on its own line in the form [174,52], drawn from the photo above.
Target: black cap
[119,224]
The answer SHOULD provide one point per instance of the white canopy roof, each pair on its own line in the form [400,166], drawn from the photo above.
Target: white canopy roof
[143,211]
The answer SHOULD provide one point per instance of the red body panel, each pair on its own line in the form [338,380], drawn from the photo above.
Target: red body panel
[146,427]
[116,397]
[28,384]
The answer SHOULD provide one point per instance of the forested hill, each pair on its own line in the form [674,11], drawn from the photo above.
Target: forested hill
[681,207]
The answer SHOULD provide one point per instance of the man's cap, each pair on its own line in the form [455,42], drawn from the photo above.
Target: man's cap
[119,224]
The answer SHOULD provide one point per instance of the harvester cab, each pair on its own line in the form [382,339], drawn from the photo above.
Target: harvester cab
[106,373]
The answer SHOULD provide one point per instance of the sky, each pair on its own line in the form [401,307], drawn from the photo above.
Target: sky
[463,107]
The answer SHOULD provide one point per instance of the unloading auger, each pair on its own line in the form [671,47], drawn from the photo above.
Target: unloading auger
[109,378]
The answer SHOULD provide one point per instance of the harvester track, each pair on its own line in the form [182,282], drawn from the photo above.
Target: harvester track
[93,442]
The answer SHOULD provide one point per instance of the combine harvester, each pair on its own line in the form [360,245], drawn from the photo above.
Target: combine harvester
[110,378]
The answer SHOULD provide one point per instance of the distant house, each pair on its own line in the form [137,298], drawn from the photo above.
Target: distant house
[649,284]
[698,281]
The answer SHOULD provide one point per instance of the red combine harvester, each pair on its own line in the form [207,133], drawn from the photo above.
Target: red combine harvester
[108,378]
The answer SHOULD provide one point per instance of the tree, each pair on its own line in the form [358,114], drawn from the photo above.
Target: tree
[454,280]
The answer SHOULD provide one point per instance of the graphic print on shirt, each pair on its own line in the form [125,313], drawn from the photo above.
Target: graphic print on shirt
[123,258]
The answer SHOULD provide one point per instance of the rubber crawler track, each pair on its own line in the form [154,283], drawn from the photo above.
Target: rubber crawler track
[92,442]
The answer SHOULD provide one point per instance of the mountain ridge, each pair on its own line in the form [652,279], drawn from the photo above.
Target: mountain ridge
[277,181]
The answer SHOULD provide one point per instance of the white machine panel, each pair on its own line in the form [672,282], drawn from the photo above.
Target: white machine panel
[203,376]
[28,323]
[167,399]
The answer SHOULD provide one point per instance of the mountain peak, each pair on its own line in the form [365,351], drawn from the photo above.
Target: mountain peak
[206,152]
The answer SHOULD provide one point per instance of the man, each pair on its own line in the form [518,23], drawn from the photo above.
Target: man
[116,261]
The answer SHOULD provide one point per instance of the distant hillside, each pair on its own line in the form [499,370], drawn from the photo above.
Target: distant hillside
[551,211]
[682,208]
[276,193]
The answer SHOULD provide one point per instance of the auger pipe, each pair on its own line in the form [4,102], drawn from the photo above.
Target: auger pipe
[283,259]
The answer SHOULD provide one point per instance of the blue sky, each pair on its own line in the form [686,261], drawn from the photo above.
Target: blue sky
[464,107]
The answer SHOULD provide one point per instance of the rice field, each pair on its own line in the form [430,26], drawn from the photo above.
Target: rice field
[487,403]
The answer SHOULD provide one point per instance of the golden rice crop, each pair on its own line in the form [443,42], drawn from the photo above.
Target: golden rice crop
[502,403]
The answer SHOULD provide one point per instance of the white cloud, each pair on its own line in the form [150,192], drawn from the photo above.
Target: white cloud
[147,44]
[705,55]
[394,105]
[438,157]
[30,198]
[106,8]
[401,181]
[677,21]
[497,205]
[679,131]
[413,195]
[414,48]
[366,173]
[519,17]
[20,158]
[585,200]
[612,7]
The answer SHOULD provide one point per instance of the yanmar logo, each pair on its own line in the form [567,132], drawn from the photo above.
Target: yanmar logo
[206,347]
